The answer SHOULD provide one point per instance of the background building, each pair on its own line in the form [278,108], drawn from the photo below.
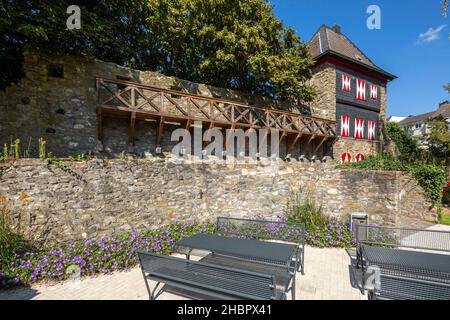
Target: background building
[416,126]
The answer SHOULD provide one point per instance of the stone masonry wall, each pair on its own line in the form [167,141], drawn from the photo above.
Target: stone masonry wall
[62,110]
[354,147]
[323,81]
[77,200]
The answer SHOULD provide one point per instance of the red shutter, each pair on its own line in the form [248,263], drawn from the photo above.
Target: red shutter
[371,132]
[373,92]
[346,83]
[346,157]
[361,90]
[345,126]
[359,128]
[359,157]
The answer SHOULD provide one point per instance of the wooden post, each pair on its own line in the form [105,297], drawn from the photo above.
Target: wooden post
[320,144]
[159,131]
[100,124]
[292,144]
[132,134]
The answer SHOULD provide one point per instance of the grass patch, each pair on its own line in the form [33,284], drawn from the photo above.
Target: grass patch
[445,219]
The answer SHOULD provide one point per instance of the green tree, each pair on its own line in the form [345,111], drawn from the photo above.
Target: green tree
[236,44]
[444,7]
[406,144]
[228,43]
[439,137]
[110,30]
[447,87]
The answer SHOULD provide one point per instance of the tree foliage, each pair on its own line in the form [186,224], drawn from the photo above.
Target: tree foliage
[228,43]
[406,144]
[439,137]
[432,178]
[444,7]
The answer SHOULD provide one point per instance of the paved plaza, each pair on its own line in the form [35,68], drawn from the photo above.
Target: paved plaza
[328,276]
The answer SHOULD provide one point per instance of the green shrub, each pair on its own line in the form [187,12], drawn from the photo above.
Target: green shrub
[321,230]
[305,212]
[407,145]
[12,243]
[432,178]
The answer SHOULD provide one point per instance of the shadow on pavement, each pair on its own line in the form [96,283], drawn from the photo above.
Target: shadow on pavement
[24,293]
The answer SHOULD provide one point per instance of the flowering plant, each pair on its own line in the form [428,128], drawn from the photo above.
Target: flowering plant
[111,253]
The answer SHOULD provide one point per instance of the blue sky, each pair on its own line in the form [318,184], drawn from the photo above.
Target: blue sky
[422,67]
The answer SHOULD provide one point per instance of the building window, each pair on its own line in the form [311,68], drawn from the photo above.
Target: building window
[373,92]
[345,126]
[418,125]
[361,90]
[346,83]
[371,131]
[359,128]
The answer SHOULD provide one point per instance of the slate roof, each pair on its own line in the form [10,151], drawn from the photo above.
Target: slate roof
[331,40]
[443,110]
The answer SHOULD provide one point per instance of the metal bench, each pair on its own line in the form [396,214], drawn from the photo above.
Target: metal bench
[215,281]
[267,230]
[404,263]
[236,243]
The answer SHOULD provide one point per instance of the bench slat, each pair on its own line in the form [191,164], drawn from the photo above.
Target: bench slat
[231,281]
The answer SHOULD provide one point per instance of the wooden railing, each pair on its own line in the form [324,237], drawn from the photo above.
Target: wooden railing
[171,105]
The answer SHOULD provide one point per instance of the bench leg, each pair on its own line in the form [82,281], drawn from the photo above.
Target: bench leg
[188,255]
[152,293]
[293,288]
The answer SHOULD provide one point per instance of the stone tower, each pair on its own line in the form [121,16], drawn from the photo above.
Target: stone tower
[351,89]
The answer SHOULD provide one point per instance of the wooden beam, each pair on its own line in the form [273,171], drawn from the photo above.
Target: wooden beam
[204,143]
[294,141]
[132,133]
[100,124]
[231,115]
[283,135]
[159,131]
[227,136]
[320,144]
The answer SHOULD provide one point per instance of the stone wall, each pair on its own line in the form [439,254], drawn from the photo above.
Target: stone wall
[87,199]
[354,147]
[62,108]
[323,81]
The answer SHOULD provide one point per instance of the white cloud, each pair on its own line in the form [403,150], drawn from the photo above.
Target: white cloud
[430,35]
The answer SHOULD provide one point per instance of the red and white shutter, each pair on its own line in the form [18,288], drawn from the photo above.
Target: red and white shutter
[359,128]
[359,157]
[346,157]
[373,92]
[346,83]
[361,89]
[345,126]
[371,130]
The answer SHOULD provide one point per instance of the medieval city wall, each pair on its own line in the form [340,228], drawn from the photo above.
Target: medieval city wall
[61,108]
[76,200]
